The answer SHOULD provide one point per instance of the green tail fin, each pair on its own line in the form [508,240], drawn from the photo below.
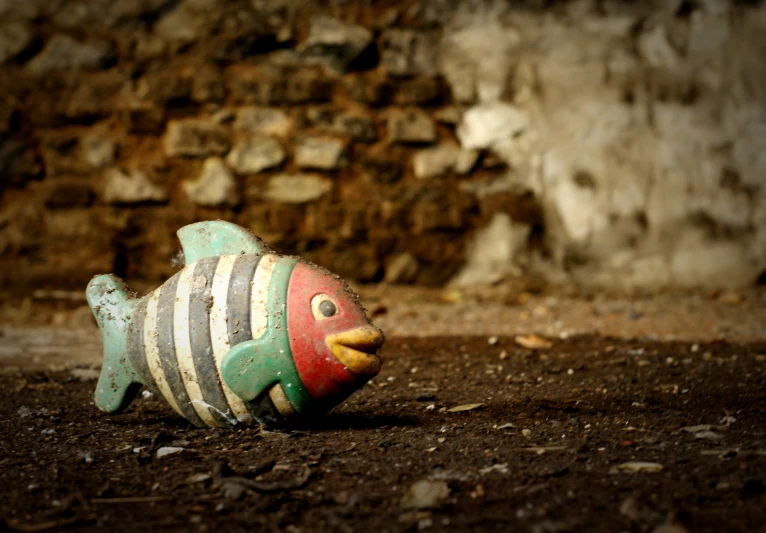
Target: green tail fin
[113,308]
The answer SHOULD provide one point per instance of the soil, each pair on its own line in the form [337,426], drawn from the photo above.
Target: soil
[545,451]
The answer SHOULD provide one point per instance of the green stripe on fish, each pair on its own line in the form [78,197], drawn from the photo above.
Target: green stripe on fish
[253,367]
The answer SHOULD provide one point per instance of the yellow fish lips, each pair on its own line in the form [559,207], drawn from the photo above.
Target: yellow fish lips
[356,349]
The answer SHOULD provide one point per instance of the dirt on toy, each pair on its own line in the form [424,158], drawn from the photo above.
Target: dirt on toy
[455,434]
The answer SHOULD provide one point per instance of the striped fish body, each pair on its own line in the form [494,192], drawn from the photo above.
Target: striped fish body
[180,333]
[239,335]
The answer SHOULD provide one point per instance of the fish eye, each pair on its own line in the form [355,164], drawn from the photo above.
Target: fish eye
[322,306]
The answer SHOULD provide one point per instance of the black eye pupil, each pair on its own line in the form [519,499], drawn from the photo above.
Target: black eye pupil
[327,308]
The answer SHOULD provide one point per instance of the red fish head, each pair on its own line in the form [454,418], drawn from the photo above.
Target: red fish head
[332,341]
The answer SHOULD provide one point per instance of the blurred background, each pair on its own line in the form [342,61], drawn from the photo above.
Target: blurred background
[616,145]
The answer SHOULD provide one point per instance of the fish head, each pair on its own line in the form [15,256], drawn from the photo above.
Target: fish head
[332,340]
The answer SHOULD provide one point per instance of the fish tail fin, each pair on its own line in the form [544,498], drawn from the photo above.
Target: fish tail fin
[113,308]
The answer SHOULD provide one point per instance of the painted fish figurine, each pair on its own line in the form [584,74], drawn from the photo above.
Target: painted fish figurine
[239,335]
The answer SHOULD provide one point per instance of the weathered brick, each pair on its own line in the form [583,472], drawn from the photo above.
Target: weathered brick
[369,89]
[419,91]
[196,138]
[249,85]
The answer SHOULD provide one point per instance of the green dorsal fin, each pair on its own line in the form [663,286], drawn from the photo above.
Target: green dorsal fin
[214,238]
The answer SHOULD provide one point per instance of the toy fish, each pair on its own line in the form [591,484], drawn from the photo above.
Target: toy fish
[239,335]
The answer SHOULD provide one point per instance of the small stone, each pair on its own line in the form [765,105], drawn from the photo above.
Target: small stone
[484,125]
[98,151]
[640,466]
[25,412]
[464,407]
[533,342]
[402,268]
[65,53]
[697,429]
[709,435]
[15,37]
[333,43]
[168,450]
[131,188]
[493,340]
[297,188]
[526,432]
[215,185]
[406,52]
[323,153]
[188,22]
[195,138]
[264,121]
[441,159]
[425,494]
[256,154]
[411,126]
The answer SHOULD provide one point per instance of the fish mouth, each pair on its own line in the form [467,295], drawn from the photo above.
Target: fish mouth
[356,349]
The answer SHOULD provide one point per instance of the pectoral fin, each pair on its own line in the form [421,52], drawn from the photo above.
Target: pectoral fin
[253,367]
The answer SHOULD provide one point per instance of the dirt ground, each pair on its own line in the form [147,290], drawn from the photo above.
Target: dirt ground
[591,434]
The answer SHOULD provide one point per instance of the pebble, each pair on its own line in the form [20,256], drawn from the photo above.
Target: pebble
[168,450]
[425,494]
[709,435]
[640,466]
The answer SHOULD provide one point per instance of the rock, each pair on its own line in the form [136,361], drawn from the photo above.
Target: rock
[214,187]
[65,53]
[411,126]
[486,125]
[425,494]
[369,88]
[333,43]
[164,451]
[163,87]
[15,37]
[256,154]
[419,91]
[97,151]
[402,268]
[195,138]
[190,21]
[711,436]
[264,121]
[406,52]
[149,47]
[260,86]
[476,59]
[441,159]
[131,188]
[357,125]
[324,153]
[533,342]
[94,96]
[306,86]
[492,252]
[380,170]
[297,188]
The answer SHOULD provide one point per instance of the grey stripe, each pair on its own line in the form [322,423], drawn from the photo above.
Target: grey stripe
[239,298]
[263,411]
[136,352]
[167,349]
[200,302]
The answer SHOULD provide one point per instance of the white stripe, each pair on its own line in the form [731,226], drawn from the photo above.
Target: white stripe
[152,351]
[183,345]
[219,331]
[259,298]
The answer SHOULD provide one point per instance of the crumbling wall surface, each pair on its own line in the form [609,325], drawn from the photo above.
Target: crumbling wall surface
[610,143]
